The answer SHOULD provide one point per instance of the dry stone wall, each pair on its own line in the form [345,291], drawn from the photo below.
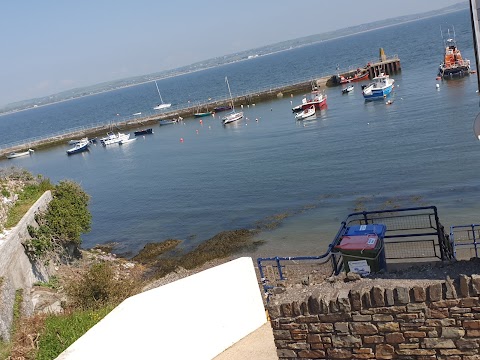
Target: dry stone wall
[438,321]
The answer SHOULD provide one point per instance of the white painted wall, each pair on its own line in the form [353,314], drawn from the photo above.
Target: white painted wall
[194,318]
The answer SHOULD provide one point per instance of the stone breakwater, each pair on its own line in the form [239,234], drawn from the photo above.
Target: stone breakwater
[401,319]
[135,122]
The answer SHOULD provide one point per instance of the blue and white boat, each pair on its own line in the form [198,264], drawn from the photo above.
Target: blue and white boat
[81,146]
[381,86]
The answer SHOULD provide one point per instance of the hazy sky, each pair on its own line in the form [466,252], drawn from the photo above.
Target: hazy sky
[53,45]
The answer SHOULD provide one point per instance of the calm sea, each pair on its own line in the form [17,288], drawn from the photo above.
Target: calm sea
[418,151]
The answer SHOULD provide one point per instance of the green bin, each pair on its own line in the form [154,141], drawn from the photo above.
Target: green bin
[363,254]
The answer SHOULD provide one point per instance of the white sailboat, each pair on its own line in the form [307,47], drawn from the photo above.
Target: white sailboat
[162,105]
[233,115]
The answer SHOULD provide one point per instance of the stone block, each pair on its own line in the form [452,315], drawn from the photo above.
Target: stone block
[377,296]
[473,333]
[320,328]
[406,317]
[388,327]
[475,284]
[342,327]
[384,351]
[471,324]
[389,298]
[416,307]
[334,317]
[438,343]
[437,313]
[314,338]
[343,303]
[417,352]
[464,282]
[381,317]
[286,354]
[274,311]
[401,295]
[346,341]
[419,294]
[311,354]
[304,308]
[362,318]
[366,299]
[298,346]
[435,292]
[415,334]
[282,335]
[470,302]
[339,353]
[287,310]
[450,290]
[299,334]
[452,332]
[296,309]
[374,339]
[364,328]
[394,338]
[307,319]
[355,300]
[333,306]
[467,344]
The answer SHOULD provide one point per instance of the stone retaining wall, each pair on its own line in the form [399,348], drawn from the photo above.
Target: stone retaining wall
[438,321]
[16,270]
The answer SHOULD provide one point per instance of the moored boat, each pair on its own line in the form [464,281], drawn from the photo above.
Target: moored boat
[222,108]
[79,147]
[319,100]
[306,113]
[202,114]
[453,63]
[348,89]
[162,105]
[143,132]
[234,115]
[360,75]
[126,141]
[13,155]
[381,86]
[112,138]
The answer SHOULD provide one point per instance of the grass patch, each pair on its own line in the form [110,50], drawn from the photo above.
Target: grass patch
[26,199]
[60,331]
[53,283]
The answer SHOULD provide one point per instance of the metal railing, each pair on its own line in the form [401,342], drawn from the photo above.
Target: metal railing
[411,233]
[466,238]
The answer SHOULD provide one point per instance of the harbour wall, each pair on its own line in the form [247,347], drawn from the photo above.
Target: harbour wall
[388,65]
[16,270]
[405,320]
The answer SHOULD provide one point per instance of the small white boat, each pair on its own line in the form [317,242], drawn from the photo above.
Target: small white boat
[112,138]
[306,113]
[126,141]
[76,141]
[79,147]
[13,155]
[162,105]
[348,89]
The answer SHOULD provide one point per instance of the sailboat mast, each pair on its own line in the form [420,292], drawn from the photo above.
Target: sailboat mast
[158,91]
[231,99]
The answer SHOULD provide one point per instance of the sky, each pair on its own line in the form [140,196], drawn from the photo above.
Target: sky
[55,45]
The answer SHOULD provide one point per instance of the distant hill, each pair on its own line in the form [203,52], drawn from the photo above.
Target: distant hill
[222,60]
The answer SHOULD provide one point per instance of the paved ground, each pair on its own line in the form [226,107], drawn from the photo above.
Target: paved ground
[257,345]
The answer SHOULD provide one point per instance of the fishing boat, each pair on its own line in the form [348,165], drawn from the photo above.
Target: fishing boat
[202,114]
[113,138]
[381,86]
[162,105]
[233,115]
[306,113]
[348,89]
[143,132]
[13,155]
[319,100]
[358,76]
[453,63]
[79,147]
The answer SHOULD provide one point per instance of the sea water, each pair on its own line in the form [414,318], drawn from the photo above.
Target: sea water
[193,180]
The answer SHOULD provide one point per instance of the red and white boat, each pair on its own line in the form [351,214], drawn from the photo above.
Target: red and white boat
[358,76]
[319,100]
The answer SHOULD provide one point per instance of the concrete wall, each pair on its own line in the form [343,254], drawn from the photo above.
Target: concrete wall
[436,321]
[197,317]
[16,270]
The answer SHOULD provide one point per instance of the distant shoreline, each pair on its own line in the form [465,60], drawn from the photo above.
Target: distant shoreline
[227,63]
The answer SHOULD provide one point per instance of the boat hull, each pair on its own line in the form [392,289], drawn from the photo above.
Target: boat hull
[78,149]
[457,71]
[355,78]
[232,117]
[197,115]
[16,155]
[378,94]
[143,132]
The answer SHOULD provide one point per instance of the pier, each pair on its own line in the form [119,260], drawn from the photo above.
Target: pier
[388,65]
